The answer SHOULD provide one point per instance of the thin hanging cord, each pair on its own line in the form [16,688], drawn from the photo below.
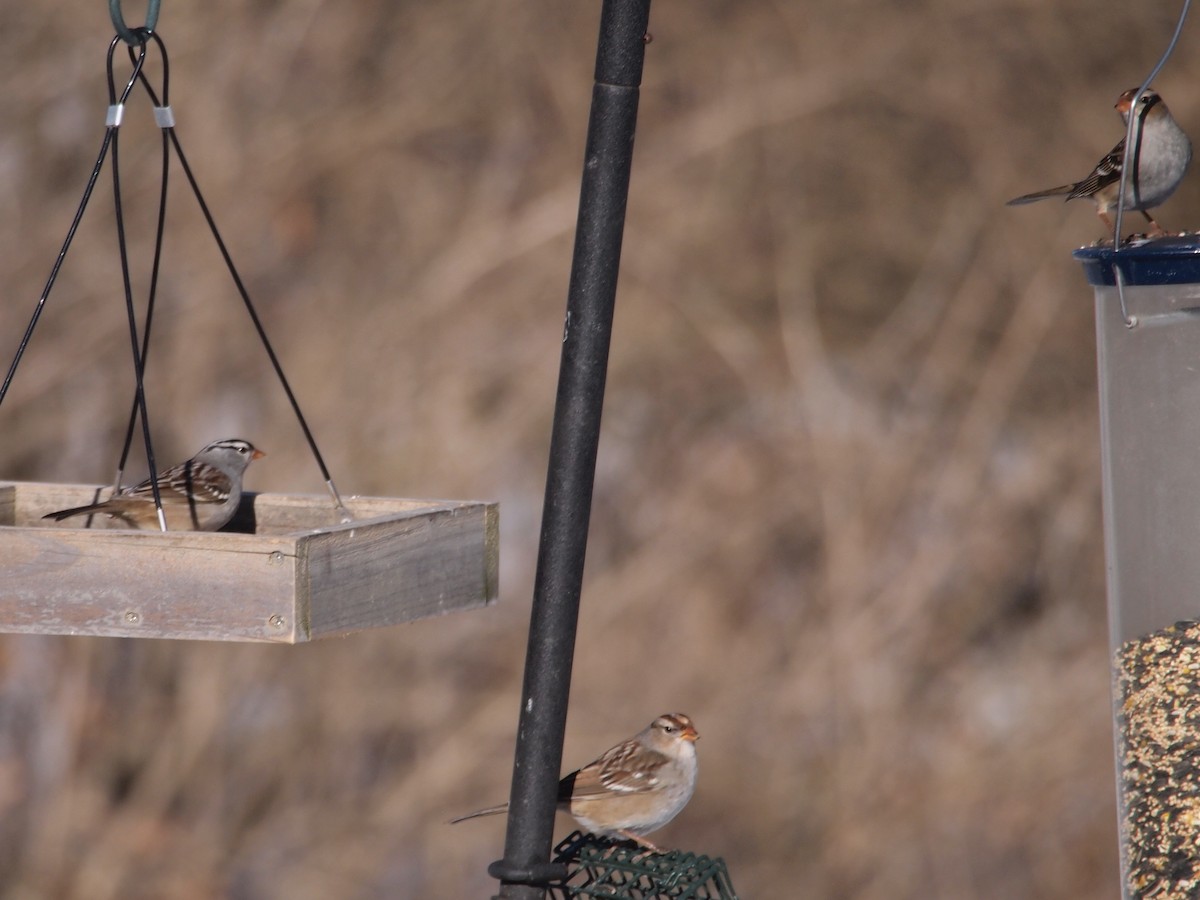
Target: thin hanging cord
[1134,121]
[241,288]
[109,133]
[156,265]
[138,366]
[163,114]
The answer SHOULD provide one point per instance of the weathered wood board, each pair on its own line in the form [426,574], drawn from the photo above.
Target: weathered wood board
[285,570]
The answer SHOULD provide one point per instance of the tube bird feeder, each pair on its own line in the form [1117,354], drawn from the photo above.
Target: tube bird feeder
[1148,348]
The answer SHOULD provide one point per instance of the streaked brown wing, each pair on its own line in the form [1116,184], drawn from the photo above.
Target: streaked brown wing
[183,480]
[1107,171]
[614,772]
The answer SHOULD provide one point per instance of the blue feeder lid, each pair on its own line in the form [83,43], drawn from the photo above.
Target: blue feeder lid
[1168,260]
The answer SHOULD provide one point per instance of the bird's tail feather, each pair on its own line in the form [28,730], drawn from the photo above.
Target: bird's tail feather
[490,811]
[76,511]
[1063,190]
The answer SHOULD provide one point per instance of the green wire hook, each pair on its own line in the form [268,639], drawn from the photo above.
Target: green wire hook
[131,36]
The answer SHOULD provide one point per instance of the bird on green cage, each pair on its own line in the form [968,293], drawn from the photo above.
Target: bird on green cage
[201,494]
[634,788]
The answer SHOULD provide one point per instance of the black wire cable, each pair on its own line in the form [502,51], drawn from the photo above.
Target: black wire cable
[109,134]
[246,301]
[140,347]
[156,264]
[138,364]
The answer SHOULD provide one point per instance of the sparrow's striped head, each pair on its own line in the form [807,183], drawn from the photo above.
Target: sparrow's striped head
[676,726]
[1145,103]
[233,452]
[235,445]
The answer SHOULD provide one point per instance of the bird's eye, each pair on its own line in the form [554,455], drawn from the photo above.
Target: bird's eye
[669,729]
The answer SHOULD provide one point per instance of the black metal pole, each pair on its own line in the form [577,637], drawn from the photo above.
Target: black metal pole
[525,869]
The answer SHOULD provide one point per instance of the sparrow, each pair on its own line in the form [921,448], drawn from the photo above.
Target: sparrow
[1160,156]
[201,494]
[634,788]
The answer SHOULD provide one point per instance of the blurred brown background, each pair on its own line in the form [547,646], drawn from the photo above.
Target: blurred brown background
[847,511]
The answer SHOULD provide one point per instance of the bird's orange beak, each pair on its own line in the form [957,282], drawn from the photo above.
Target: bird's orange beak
[257,454]
[690,734]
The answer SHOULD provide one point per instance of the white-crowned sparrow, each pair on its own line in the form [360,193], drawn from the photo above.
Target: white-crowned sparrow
[1161,161]
[201,494]
[635,788]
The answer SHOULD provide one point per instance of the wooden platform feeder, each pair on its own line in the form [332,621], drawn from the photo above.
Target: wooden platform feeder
[286,569]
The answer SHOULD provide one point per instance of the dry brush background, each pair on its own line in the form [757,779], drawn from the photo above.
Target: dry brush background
[847,513]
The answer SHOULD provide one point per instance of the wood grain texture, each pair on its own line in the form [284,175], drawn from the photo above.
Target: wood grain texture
[301,573]
[396,570]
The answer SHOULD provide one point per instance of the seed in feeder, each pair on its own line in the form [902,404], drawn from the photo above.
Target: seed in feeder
[1158,717]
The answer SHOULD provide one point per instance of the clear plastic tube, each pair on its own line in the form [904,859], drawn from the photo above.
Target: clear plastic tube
[1149,368]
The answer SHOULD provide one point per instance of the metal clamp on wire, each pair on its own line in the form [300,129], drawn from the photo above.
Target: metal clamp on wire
[133,36]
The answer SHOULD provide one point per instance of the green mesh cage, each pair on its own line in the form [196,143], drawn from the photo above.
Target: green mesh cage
[603,868]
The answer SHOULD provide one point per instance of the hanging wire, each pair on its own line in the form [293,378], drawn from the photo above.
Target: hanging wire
[165,119]
[139,367]
[1133,155]
[245,295]
[157,262]
[1134,150]
[133,36]
[113,120]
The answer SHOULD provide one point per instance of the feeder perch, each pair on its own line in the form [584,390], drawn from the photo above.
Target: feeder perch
[600,867]
[1149,374]
[286,569]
